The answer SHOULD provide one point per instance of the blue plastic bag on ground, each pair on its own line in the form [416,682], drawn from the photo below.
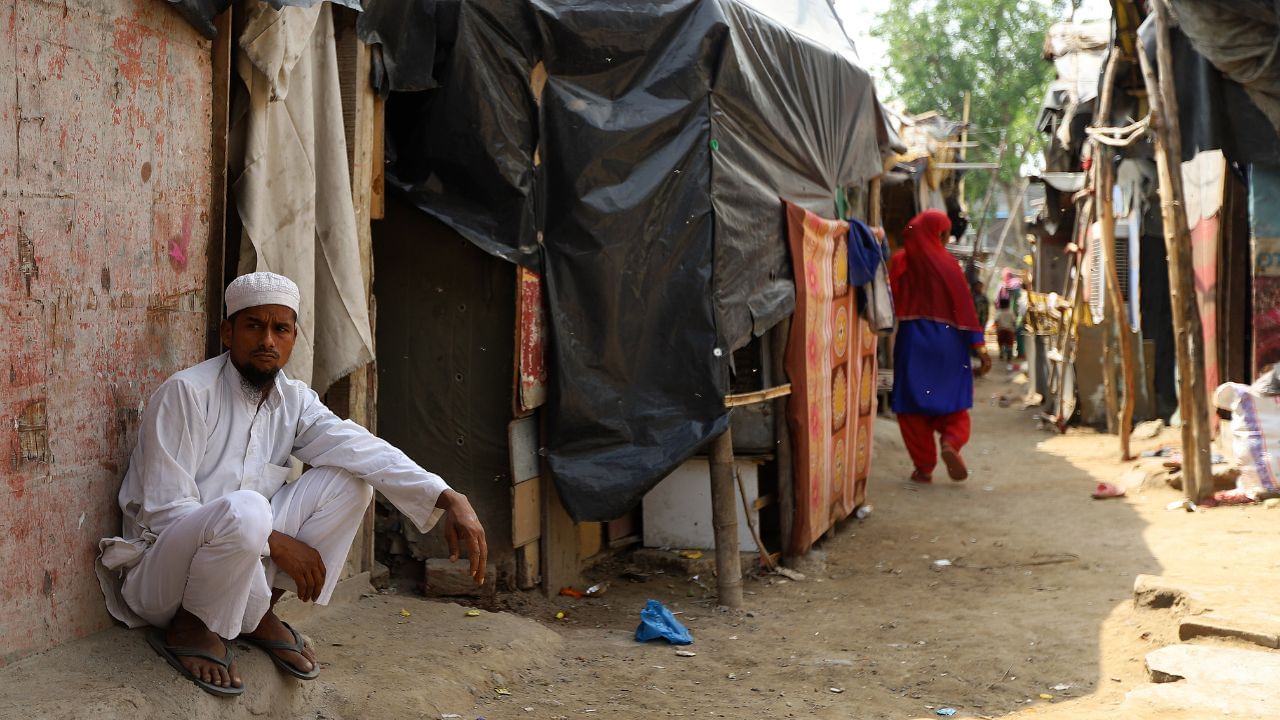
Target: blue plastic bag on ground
[656,621]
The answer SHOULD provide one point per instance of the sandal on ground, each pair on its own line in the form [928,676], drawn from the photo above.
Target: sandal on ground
[171,653]
[296,646]
[922,478]
[956,469]
[1107,490]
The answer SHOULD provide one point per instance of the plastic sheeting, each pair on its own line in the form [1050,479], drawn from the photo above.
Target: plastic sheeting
[1242,39]
[1214,112]
[200,13]
[636,154]
[403,32]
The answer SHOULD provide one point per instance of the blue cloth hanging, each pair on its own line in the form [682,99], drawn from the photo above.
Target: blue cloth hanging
[865,254]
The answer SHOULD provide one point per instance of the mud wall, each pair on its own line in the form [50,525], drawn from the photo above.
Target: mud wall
[105,174]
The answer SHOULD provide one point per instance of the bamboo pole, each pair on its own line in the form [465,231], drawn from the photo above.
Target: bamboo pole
[1188,335]
[1104,181]
[964,140]
[724,521]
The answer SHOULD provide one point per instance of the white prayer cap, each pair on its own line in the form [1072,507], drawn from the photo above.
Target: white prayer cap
[261,288]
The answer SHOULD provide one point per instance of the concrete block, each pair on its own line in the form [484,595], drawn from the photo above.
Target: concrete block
[1194,700]
[1223,666]
[1257,628]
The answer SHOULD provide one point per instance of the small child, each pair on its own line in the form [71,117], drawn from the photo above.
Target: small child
[1006,327]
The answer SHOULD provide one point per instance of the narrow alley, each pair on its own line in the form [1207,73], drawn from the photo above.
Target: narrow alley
[1006,596]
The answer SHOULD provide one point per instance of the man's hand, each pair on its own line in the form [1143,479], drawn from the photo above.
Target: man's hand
[299,561]
[462,526]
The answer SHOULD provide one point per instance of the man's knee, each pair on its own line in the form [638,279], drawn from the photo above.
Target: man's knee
[345,487]
[247,518]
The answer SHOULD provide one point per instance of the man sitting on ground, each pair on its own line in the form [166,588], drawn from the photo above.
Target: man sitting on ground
[214,533]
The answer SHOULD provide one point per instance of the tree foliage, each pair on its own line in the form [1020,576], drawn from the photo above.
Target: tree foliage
[939,49]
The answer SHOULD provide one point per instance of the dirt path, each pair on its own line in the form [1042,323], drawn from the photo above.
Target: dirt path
[1038,596]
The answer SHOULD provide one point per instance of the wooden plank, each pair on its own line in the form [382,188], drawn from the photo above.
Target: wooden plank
[378,187]
[759,396]
[360,386]
[522,443]
[530,361]
[528,567]
[218,186]
[559,542]
[590,539]
[526,512]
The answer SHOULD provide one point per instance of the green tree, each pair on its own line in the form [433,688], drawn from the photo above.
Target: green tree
[939,49]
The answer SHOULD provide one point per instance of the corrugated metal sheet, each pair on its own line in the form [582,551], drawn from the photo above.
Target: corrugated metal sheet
[105,146]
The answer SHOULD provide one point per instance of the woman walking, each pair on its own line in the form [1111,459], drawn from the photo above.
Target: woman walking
[938,331]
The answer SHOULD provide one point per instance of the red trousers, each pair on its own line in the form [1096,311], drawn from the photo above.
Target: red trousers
[918,431]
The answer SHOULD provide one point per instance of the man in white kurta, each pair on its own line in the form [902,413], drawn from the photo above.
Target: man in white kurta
[214,532]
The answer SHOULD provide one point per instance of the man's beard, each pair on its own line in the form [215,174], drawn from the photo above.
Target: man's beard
[255,379]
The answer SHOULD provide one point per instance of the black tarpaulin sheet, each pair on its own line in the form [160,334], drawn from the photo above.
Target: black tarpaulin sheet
[636,153]
[200,13]
[1214,112]
[1242,39]
[403,34]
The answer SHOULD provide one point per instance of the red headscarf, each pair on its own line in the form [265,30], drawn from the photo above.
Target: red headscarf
[927,282]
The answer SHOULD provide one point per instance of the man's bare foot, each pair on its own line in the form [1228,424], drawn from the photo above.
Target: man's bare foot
[188,631]
[271,628]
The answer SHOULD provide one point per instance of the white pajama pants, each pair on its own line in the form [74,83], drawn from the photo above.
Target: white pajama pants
[211,561]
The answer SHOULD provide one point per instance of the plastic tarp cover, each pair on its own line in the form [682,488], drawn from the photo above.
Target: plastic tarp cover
[636,154]
[200,13]
[1214,112]
[404,35]
[778,135]
[1242,39]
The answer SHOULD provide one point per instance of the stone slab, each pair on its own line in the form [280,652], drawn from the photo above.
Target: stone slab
[1194,700]
[1223,666]
[1254,627]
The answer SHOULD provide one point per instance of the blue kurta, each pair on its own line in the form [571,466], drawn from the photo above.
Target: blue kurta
[932,368]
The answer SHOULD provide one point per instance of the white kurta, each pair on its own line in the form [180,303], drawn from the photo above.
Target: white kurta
[203,437]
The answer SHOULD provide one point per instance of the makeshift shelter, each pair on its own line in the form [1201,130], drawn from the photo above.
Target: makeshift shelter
[1229,148]
[633,160]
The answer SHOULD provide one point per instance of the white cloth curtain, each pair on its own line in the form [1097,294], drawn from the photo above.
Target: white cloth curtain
[292,184]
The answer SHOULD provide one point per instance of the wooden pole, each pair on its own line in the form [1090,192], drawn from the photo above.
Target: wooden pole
[222,45]
[1188,334]
[1104,181]
[1106,213]
[964,141]
[724,520]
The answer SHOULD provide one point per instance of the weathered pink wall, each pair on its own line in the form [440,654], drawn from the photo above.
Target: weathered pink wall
[105,147]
